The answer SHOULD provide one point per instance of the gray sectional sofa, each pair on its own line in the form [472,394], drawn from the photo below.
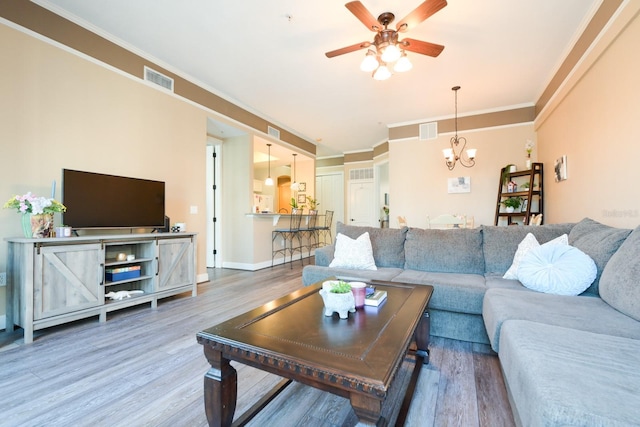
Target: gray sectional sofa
[566,360]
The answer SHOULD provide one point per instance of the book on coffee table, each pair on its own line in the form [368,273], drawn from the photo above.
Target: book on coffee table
[376,299]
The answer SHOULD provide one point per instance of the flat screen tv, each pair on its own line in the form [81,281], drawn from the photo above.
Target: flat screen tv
[95,200]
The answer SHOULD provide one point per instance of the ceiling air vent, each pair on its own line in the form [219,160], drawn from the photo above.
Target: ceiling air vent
[364,174]
[428,131]
[273,132]
[157,78]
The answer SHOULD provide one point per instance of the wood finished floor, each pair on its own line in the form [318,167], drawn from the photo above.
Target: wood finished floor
[144,367]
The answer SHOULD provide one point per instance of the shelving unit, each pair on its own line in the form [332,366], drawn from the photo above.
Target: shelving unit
[533,196]
[58,280]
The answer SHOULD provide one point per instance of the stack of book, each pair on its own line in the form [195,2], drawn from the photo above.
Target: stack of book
[376,298]
[122,273]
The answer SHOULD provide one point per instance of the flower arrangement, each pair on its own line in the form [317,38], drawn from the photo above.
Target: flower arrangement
[34,205]
[528,147]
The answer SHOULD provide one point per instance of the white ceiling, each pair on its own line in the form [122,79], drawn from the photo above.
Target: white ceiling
[268,57]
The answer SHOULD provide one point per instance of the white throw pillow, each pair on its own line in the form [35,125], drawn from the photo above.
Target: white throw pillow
[557,269]
[529,242]
[356,254]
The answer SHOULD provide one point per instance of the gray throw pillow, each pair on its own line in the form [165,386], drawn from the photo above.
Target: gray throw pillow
[387,243]
[620,280]
[599,241]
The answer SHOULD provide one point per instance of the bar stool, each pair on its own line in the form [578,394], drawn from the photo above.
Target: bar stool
[288,235]
[325,229]
[310,232]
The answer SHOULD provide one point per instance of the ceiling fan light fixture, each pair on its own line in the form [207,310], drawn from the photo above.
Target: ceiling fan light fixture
[403,64]
[382,72]
[369,63]
[391,53]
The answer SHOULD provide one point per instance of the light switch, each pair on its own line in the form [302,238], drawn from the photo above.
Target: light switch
[194,209]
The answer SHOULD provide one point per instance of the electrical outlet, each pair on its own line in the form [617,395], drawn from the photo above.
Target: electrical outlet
[3,278]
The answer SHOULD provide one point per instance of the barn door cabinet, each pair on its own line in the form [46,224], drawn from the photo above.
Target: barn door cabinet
[59,280]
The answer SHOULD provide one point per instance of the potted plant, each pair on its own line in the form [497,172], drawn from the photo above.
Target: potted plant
[294,203]
[512,203]
[338,298]
[313,203]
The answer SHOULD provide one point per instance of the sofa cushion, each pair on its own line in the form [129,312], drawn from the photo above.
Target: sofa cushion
[500,243]
[584,312]
[554,378]
[353,253]
[529,242]
[620,280]
[557,269]
[445,251]
[599,241]
[387,243]
[457,292]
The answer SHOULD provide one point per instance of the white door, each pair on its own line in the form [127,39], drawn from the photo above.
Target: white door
[330,194]
[361,204]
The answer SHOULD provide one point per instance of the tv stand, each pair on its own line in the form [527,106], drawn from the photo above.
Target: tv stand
[59,280]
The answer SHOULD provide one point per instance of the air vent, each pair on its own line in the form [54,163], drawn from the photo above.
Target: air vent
[365,174]
[428,131]
[273,132]
[157,78]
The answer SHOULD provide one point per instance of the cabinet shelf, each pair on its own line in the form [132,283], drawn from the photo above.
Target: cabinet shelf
[133,279]
[530,196]
[113,262]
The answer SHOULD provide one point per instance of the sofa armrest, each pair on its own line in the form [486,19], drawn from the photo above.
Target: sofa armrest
[324,255]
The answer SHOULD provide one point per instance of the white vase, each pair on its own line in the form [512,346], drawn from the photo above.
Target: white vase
[509,209]
[343,304]
[528,163]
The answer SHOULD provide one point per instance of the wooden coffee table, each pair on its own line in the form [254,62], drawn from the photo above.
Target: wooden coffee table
[356,358]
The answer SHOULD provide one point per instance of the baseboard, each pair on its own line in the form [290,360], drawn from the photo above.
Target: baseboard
[201,278]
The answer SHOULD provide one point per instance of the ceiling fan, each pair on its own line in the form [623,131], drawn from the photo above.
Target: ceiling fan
[388,47]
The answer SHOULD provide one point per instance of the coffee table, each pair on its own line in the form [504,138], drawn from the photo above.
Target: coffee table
[356,358]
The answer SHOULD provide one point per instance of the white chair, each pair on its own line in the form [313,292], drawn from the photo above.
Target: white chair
[402,222]
[447,221]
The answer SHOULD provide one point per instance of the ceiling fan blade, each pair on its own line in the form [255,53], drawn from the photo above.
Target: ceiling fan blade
[419,14]
[348,49]
[424,48]
[364,15]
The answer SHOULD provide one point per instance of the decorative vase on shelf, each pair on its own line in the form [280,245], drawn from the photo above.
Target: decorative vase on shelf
[528,163]
[37,226]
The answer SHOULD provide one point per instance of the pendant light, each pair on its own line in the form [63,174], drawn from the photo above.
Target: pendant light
[294,186]
[269,181]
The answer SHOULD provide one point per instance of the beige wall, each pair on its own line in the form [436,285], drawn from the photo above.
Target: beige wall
[596,126]
[58,111]
[418,175]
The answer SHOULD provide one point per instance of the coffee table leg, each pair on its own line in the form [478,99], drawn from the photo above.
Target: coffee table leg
[220,389]
[422,336]
[368,409]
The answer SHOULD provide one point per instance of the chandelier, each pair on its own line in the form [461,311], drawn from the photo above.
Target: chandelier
[457,152]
